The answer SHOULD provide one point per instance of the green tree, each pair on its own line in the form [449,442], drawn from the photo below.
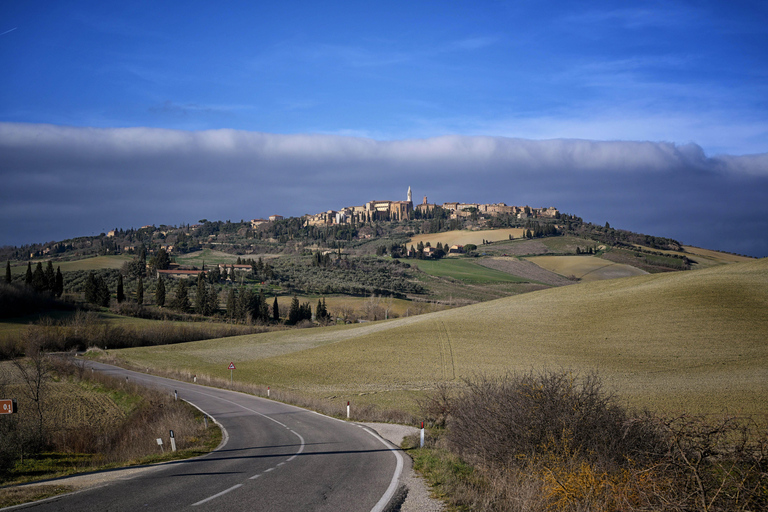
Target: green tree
[120,291]
[58,289]
[293,311]
[232,304]
[28,277]
[275,310]
[201,297]
[90,288]
[102,292]
[181,298]
[160,292]
[39,283]
[8,277]
[50,277]
[212,303]
[140,291]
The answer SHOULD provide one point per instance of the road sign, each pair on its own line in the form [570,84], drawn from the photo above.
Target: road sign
[8,406]
[231,366]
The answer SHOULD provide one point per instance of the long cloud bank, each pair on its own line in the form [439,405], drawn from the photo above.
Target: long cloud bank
[60,182]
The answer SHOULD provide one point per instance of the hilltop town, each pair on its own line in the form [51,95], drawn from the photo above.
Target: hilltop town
[388,210]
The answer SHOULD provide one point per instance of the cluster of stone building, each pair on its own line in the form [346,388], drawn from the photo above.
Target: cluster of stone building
[401,210]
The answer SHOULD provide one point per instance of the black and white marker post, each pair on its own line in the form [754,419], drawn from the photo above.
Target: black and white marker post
[421,437]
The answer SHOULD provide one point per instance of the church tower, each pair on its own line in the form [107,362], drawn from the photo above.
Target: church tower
[410,197]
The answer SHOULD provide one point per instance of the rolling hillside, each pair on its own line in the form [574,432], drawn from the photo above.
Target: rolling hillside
[692,342]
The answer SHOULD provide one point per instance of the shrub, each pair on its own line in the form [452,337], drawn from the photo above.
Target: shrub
[518,417]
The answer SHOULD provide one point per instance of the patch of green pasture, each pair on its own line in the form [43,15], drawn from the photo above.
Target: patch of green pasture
[207,256]
[465,270]
[692,342]
[95,263]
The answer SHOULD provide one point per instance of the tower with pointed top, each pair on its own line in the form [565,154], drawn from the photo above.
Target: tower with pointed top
[410,197]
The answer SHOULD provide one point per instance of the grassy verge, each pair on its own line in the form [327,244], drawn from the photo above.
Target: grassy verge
[91,422]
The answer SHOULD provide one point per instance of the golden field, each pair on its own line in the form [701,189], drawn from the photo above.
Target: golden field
[688,341]
[585,268]
[464,237]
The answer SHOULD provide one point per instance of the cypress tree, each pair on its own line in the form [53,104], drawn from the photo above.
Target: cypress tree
[50,277]
[8,277]
[263,308]
[160,292]
[212,304]
[90,288]
[275,310]
[232,304]
[39,283]
[181,298]
[293,312]
[201,297]
[102,292]
[28,277]
[140,292]
[120,290]
[58,289]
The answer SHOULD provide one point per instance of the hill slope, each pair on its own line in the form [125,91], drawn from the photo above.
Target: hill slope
[691,341]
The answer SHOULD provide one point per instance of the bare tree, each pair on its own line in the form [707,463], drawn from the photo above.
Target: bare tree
[35,371]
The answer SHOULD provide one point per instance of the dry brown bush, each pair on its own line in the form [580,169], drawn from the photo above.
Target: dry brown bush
[554,441]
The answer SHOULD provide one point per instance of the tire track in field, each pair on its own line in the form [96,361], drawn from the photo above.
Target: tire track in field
[450,353]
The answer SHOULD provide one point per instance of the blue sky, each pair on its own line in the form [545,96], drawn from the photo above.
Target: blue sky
[668,72]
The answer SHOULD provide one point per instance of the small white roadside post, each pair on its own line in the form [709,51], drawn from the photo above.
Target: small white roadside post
[160,444]
[267,391]
[194,379]
[421,437]
[175,395]
[173,442]
[347,410]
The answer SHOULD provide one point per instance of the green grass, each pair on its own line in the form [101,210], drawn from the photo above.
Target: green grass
[464,270]
[207,256]
[691,342]
[95,263]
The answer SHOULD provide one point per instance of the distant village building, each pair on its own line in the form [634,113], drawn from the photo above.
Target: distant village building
[178,274]
[387,210]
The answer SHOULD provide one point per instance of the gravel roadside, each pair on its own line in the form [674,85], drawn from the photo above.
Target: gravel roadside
[418,497]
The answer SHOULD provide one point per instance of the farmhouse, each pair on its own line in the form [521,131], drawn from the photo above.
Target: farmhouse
[178,274]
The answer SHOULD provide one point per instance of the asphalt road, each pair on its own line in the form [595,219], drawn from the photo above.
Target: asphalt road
[276,457]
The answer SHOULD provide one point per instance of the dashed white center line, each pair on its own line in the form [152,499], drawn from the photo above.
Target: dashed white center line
[217,495]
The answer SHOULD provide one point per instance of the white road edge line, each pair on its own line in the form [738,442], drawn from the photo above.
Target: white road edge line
[217,495]
[384,501]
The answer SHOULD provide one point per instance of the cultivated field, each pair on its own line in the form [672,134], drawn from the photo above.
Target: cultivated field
[525,269]
[465,270]
[95,263]
[689,341]
[464,237]
[585,268]
[211,257]
[707,257]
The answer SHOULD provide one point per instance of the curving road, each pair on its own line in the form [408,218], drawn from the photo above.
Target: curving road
[274,457]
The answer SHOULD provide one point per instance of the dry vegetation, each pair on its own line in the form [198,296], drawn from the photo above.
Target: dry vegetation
[558,441]
[71,420]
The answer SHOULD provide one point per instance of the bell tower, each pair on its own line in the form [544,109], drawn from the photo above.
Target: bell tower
[410,196]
